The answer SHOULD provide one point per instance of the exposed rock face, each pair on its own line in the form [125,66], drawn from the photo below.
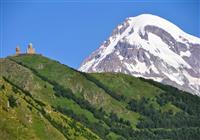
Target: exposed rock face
[150,47]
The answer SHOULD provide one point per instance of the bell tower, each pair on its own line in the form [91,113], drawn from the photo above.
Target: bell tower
[30,49]
[17,50]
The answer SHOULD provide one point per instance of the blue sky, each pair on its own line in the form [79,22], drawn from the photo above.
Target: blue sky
[69,31]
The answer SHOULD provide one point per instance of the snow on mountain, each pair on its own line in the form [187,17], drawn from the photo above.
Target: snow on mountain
[151,47]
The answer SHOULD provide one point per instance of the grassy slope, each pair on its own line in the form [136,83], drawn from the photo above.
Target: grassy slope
[38,88]
[133,88]
[82,87]
[26,120]
[20,122]
[130,87]
[40,127]
[42,90]
[100,90]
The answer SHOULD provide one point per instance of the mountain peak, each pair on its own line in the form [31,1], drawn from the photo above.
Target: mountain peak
[141,21]
[151,47]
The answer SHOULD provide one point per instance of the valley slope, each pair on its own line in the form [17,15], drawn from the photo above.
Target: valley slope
[43,99]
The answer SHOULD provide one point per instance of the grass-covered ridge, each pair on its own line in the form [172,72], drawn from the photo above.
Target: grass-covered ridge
[76,105]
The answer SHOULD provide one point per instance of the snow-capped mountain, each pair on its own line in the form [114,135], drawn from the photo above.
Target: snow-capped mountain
[151,47]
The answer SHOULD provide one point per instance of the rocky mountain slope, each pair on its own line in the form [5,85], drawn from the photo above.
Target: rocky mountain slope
[151,47]
[43,99]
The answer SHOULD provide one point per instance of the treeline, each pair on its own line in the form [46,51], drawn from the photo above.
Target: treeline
[112,120]
[96,127]
[154,118]
[184,100]
[179,134]
[187,102]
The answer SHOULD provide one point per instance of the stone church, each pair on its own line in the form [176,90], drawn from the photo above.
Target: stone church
[30,50]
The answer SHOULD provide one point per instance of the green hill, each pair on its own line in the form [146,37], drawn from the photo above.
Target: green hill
[43,99]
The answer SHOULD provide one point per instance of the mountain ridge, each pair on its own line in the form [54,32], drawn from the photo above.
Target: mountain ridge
[150,47]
